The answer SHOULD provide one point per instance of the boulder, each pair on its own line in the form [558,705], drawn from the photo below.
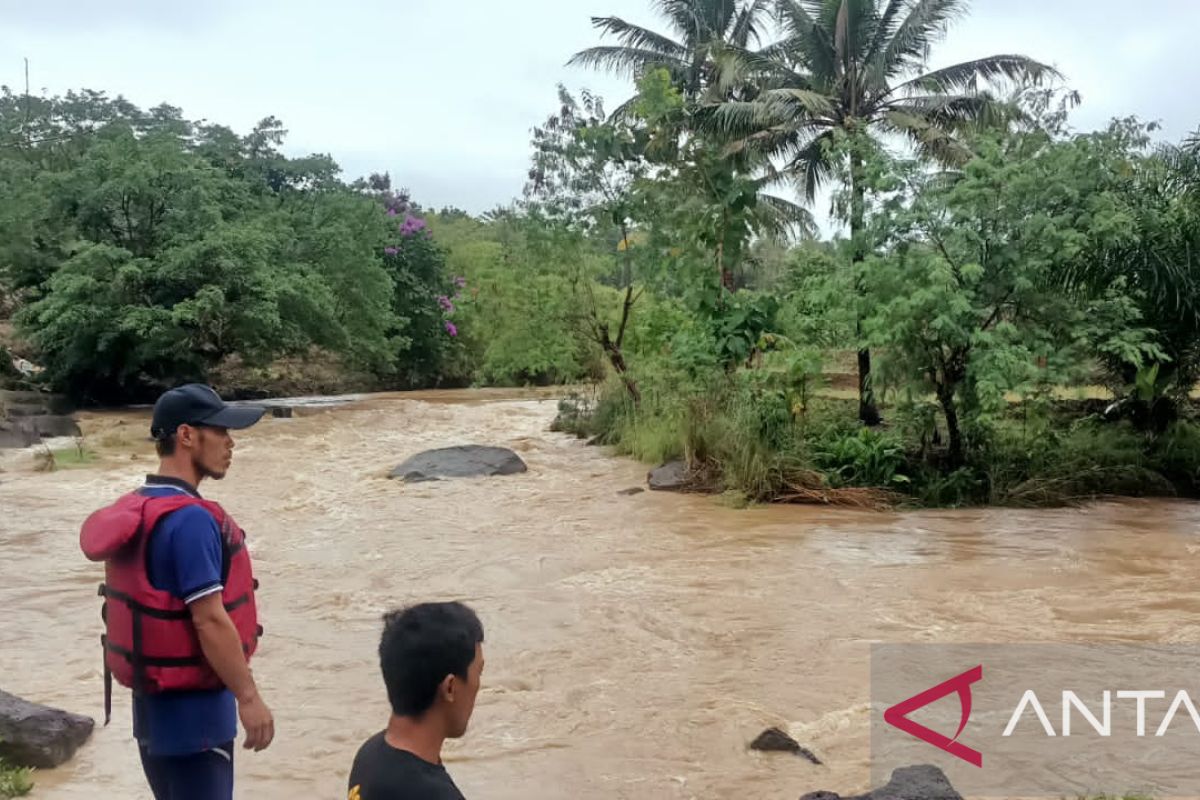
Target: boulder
[49,425]
[463,461]
[13,435]
[774,740]
[28,417]
[921,782]
[38,736]
[670,477]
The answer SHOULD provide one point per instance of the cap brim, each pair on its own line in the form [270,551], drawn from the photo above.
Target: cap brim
[235,417]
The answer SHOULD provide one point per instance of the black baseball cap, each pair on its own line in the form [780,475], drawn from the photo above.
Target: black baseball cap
[197,404]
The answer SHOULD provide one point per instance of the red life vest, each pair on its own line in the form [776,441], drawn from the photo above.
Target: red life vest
[150,644]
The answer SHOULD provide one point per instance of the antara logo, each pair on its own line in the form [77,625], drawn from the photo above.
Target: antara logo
[1102,725]
[897,715]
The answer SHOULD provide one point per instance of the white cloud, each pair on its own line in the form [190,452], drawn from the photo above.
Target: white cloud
[444,95]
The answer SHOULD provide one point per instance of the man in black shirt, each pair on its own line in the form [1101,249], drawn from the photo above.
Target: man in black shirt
[431,656]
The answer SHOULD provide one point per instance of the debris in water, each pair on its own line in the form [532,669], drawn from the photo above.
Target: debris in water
[774,740]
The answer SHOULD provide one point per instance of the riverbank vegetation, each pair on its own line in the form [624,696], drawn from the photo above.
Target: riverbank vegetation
[15,781]
[1010,313]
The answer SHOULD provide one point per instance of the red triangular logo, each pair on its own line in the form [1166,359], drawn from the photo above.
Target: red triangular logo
[897,715]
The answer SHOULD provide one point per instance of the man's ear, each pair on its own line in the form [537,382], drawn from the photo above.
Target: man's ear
[448,687]
[186,435]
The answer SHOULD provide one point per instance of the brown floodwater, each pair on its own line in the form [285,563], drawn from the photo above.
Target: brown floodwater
[635,644]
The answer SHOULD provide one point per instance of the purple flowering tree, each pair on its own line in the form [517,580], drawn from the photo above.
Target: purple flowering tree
[424,295]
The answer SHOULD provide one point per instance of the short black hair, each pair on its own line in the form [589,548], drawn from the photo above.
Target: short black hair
[421,645]
[165,445]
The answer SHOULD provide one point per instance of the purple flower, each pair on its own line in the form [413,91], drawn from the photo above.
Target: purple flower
[411,226]
[391,212]
[391,251]
[450,329]
[460,281]
[446,305]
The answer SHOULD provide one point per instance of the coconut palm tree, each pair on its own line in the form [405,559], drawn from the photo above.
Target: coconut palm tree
[703,31]
[700,28]
[857,67]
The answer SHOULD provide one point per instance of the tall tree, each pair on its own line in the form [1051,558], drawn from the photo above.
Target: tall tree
[584,173]
[847,71]
[1157,256]
[700,30]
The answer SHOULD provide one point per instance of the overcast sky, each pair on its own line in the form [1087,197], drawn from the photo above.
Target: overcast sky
[443,94]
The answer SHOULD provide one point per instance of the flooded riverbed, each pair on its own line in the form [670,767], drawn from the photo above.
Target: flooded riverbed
[635,644]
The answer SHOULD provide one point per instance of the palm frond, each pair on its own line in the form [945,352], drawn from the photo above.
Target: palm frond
[625,61]
[780,109]
[807,41]
[993,69]
[748,27]
[624,112]
[885,28]
[910,44]
[722,16]
[735,68]
[932,141]
[637,37]
[810,164]
[738,119]
[700,21]
[953,110]
[792,102]
[1192,143]
[685,16]
[854,29]
[1181,174]
[781,216]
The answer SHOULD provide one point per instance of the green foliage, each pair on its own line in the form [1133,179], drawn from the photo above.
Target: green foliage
[145,249]
[15,781]
[1006,259]
[72,457]
[863,458]
[1155,253]
[529,295]
[1045,460]
[963,303]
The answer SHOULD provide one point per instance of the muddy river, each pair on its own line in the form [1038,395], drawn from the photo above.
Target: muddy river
[635,644]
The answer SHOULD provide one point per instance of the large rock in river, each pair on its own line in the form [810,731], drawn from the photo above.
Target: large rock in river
[921,782]
[670,477]
[38,736]
[463,461]
[27,417]
[773,740]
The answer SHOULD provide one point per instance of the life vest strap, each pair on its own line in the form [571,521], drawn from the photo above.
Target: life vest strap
[107,680]
[155,661]
[157,613]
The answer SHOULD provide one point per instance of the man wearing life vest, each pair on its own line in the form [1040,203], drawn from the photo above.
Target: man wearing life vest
[180,617]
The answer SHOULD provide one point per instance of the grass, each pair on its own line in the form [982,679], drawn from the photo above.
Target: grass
[752,443]
[65,458]
[15,781]
[69,457]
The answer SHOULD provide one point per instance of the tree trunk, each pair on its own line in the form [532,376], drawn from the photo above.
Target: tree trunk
[616,356]
[868,411]
[722,268]
[617,359]
[946,398]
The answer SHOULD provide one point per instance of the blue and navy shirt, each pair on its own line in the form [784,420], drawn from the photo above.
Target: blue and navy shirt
[184,559]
